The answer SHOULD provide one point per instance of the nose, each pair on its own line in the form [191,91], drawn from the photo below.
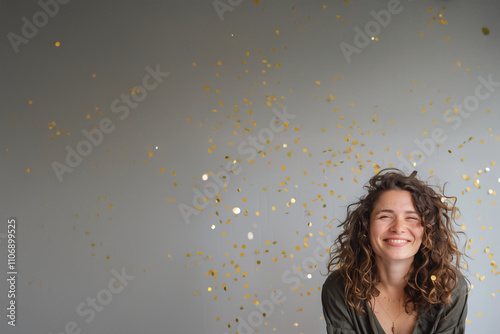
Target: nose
[398,225]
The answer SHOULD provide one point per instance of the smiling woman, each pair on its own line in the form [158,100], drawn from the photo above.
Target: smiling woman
[395,268]
[395,228]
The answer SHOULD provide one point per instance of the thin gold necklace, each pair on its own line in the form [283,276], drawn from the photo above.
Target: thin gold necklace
[393,328]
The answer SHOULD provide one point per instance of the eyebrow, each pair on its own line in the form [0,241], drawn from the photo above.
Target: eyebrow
[392,211]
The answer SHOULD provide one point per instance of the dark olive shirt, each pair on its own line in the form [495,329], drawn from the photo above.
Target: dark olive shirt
[343,319]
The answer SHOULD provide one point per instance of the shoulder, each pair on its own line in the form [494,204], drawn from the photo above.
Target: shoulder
[453,315]
[462,283]
[459,297]
[333,293]
[448,318]
[339,316]
[462,289]
[334,284]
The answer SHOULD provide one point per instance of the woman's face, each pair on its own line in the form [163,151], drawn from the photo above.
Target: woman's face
[395,227]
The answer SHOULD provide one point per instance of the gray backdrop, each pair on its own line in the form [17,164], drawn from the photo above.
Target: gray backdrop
[114,112]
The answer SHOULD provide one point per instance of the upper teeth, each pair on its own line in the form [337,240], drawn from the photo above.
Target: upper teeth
[397,241]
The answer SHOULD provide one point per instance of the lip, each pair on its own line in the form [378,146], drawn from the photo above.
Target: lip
[397,242]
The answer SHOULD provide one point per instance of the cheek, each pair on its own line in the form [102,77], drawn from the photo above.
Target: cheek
[375,231]
[371,239]
[418,233]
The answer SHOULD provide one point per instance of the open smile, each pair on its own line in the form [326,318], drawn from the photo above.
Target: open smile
[397,242]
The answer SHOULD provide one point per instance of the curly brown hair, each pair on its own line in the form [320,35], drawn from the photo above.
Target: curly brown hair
[434,273]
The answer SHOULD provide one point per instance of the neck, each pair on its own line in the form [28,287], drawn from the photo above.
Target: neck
[393,276]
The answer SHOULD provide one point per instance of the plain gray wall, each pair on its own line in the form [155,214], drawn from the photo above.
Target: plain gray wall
[119,209]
